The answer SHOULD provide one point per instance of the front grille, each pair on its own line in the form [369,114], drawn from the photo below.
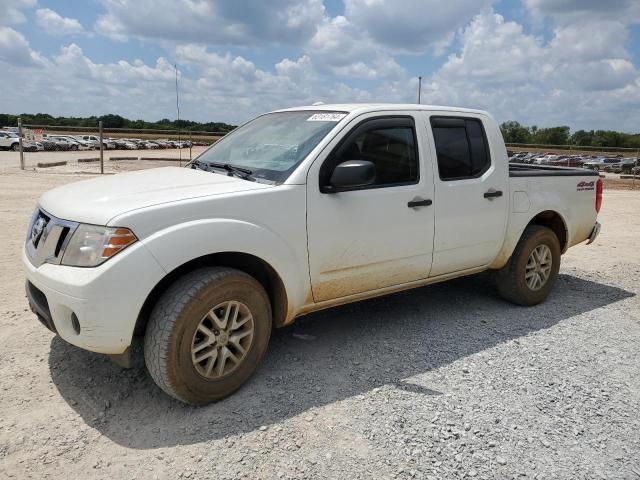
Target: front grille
[48,237]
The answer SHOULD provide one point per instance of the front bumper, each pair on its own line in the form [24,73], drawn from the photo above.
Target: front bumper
[93,308]
[594,233]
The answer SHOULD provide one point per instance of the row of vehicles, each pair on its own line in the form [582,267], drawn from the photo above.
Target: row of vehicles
[617,164]
[11,141]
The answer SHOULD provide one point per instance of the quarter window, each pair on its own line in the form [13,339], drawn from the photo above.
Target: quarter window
[461,147]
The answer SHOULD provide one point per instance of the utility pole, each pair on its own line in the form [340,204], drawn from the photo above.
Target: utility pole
[101,149]
[419,90]
[178,113]
[20,143]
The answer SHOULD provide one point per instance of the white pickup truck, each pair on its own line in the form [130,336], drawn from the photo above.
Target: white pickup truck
[296,211]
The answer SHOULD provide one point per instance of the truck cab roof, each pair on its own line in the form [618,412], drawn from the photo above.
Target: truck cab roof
[360,108]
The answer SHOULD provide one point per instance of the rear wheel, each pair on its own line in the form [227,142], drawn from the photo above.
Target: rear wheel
[15,147]
[207,334]
[533,268]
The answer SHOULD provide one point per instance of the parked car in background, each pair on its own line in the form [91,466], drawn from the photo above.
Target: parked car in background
[92,140]
[64,143]
[47,144]
[625,166]
[568,161]
[123,144]
[29,146]
[82,144]
[9,141]
[599,163]
[163,144]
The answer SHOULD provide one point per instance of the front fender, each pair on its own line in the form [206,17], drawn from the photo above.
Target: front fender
[178,244]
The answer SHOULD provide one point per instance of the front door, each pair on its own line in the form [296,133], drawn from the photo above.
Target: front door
[371,237]
[471,193]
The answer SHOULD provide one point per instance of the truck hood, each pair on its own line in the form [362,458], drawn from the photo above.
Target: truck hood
[98,200]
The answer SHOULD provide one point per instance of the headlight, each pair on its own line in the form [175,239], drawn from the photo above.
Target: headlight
[92,245]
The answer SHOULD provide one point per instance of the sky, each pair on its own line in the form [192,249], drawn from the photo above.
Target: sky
[540,62]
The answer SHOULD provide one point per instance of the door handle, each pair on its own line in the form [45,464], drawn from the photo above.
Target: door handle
[493,194]
[419,203]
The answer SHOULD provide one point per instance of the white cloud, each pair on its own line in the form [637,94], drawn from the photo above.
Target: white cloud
[582,75]
[518,76]
[224,22]
[412,25]
[571,10]
[55,24]
[15,50]
[11,11]
[347,52]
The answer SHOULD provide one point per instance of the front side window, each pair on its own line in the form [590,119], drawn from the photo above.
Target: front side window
[461,147]
[390,144]
[273,145]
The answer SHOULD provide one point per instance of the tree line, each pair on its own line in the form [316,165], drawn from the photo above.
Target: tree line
[112,121]
[514,132]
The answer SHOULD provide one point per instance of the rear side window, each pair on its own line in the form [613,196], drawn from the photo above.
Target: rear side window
[461,147]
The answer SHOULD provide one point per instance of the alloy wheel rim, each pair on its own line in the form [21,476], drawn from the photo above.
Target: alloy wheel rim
[538,269]
[222,339]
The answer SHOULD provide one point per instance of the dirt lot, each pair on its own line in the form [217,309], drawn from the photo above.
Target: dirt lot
[10,161]
[446,381]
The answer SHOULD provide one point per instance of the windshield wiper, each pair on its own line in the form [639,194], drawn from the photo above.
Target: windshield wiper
[241,172]
[199,165]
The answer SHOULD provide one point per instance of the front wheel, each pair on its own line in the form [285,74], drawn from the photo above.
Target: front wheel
[533,268]
[207,334]
[15,147]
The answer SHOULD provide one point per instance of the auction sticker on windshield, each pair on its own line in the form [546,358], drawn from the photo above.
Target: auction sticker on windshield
[326,117]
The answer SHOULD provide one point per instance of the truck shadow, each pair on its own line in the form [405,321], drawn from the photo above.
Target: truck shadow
[323,358]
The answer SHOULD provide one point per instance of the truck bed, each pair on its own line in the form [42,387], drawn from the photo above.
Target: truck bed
[525,170]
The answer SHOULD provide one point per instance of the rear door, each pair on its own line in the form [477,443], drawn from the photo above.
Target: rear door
[471,192]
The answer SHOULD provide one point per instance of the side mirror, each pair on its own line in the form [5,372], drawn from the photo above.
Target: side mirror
[351,174]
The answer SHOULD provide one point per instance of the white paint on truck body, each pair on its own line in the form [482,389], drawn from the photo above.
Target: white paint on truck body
[327,248]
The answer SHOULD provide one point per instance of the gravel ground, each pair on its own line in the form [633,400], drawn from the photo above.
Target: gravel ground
[10,161]
[446,381]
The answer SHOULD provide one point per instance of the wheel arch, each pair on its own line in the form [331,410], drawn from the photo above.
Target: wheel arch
[252,265]
[545,218]
[556,223]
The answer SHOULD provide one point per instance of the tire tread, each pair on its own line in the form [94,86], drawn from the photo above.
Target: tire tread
[165,314]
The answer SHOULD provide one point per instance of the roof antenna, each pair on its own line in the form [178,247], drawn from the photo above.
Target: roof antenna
[419,89]
[317,103]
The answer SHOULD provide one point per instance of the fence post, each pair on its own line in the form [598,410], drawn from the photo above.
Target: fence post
[101,149]
[190,145]
[635,170]
[20,143]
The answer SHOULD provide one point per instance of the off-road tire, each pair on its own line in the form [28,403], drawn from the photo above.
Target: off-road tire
[510,279]
[175,318]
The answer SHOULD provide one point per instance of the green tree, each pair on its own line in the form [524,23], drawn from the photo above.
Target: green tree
[552,136]
[582,138]
[513,132]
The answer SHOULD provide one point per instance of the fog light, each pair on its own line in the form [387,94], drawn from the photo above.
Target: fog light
[75,323]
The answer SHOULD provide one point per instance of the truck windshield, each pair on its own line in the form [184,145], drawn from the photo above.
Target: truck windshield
[273,145]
